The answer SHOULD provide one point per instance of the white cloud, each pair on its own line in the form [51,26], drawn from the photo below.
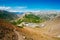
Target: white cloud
[21,9]
[4,8]
[17,9]
[13,9]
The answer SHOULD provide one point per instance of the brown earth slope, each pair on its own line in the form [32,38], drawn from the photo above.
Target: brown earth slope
[8,32]
[11,32]
[34,34]
[52,28]
[49,32]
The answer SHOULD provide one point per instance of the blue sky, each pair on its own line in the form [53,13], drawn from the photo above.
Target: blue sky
[29,5]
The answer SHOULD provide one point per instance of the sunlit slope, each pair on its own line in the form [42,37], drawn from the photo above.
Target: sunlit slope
[34,34]
[52,27]
[27,33]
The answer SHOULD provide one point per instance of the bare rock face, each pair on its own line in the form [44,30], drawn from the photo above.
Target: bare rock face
[7,31]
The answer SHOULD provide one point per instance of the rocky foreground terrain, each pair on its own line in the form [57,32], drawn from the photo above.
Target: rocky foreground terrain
[11,32]
[7,31]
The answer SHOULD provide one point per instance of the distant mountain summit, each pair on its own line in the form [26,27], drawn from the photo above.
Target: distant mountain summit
[7,15]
